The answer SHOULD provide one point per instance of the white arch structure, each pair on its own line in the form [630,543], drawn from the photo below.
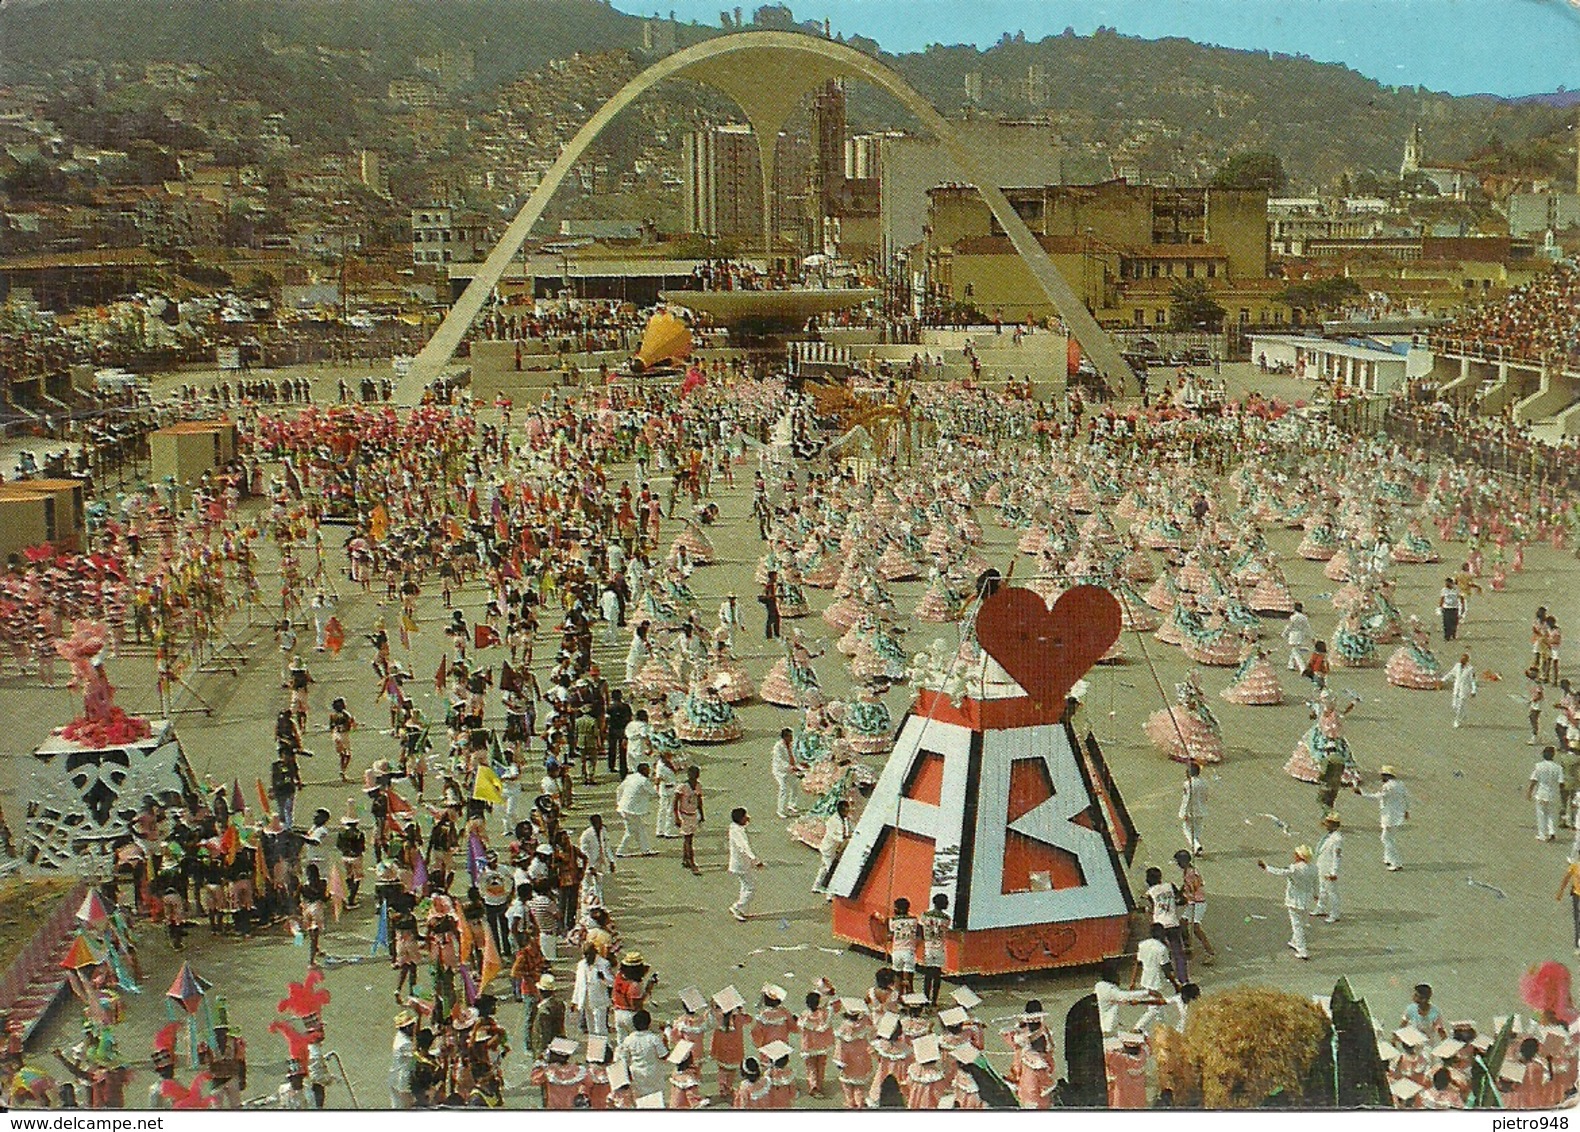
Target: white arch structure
[766,73]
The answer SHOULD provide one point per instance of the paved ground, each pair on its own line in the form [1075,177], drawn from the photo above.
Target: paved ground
[1427,923]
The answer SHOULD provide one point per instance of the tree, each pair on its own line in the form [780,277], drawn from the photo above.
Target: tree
[1192,307]
[1254,170]
[1319,296]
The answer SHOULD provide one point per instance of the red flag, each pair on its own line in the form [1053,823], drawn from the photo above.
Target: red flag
[263,797]
[441,675]
[484,636]
[507,678]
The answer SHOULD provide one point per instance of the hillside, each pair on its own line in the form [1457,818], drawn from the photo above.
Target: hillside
[1163,107]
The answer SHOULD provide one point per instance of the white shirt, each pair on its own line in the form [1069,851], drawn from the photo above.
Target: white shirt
[782,759]
[1463,677]
[636,794]
[1193,799]
[836,831]
[741,855]
[1329,850]
[1165,905]
[643,1052]
[595,849]
[1392,802]
[403,1055]
[1548,777]
[1110,997]
[1301,887]
[1152,955]
[1298,631]
[636,733]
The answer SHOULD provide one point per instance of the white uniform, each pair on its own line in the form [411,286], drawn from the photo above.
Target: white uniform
[1393,804]
[1297,634]
[664,778]
[1462,677]
[403,1057]
[1329,851]
[836,832]
[1299,889]
[634,801]
[782,765]
[1547,777]
[742,862]
[1193,811]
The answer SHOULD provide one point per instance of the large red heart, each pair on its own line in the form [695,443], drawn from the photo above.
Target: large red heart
[1047,650]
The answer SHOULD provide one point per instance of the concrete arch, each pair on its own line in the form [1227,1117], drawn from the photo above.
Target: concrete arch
[766,73]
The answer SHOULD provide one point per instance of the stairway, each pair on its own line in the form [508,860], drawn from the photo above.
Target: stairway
[34,981]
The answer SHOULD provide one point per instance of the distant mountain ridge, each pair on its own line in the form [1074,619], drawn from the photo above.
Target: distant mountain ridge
[1166,108]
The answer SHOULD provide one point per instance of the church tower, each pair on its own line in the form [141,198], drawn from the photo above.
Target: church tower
[1413,153]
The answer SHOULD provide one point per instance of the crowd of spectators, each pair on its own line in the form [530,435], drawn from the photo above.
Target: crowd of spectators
[1498,444]
[1537,322]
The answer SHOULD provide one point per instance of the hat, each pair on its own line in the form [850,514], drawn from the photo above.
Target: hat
[954,1016]
[467,1020]
[965,1053]
[692,999]
[546,981]
[597,1050]
[887,1025]
[1132,1039]
[925,1049]
[544,849]
[632,959]
[565,1047]
[729,999]
[1388,770]
[678,1055]
[823,985]
[1330,819]
[651,1100]
[349,820]
[1303,852]
[1409,1037]
[851,1006]
[1405,1089]
[774,1051]
[1448,1049]
[1388,1051]
[619,1075]
[965,998]
[775,992]
[913,1000]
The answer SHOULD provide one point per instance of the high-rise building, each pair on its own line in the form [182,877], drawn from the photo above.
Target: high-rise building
[723,183]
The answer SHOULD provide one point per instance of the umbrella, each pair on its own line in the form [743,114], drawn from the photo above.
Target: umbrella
[82,954]
[92,912]
[187,989]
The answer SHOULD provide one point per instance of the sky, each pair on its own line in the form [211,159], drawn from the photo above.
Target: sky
[1506,47]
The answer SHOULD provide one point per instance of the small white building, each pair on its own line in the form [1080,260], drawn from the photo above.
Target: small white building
[1361,365]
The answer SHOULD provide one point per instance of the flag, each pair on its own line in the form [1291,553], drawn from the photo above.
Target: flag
[379,522]
[507,678]
[337,889]
[419,878]
[492,964]
[468,983]
[263,797]
[381,937]
[442,675]
[476,856]
[487,786]
[485,636]
[238,805]
[229,842]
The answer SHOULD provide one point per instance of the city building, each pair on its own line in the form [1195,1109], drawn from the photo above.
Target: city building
[441,234]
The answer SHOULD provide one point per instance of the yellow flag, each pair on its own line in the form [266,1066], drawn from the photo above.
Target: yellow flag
[488,787]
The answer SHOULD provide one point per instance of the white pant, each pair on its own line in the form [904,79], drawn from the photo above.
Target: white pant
[1390,846]
[1297,658]
[827,859]
[1546,820]
[546,944]
[747,888]
[664,824]
[788,789]
[1460,704]
[1327,898]
[635,838]
[1190,825]
[1297,930]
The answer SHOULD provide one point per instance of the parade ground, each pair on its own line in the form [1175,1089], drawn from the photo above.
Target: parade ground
[1472,908]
